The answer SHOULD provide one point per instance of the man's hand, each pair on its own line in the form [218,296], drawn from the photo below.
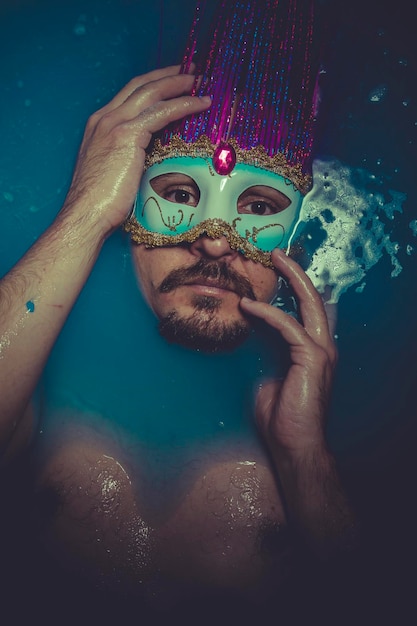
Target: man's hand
[291,416]
[111,157]
[291,413]
[37,295]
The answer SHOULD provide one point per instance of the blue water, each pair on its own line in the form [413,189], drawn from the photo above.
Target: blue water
[63,60]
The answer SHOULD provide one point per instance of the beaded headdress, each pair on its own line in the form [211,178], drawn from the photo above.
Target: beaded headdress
[259,65]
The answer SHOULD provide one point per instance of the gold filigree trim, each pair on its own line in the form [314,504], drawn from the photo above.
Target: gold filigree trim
[212,228]
[257,157]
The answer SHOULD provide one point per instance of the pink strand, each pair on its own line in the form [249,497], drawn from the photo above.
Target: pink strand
[261,70]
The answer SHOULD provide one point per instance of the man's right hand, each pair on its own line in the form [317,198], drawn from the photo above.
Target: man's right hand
[37,294]
[111,157]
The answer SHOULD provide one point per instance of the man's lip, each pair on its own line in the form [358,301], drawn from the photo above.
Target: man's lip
[207,285]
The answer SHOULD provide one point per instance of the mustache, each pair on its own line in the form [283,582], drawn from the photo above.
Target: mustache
[224,276]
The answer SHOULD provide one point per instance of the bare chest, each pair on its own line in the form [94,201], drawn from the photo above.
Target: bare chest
[208,523]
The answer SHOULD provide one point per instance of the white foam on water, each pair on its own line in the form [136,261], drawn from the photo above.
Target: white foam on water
[356,214]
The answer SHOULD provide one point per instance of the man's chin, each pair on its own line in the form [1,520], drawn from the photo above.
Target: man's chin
[203,332]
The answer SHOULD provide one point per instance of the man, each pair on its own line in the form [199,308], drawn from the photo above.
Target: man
[102,525]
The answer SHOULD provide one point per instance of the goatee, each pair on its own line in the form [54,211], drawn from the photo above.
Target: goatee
[205,333]
[203,330]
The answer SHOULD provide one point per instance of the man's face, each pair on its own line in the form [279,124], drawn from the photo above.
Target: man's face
[195,289]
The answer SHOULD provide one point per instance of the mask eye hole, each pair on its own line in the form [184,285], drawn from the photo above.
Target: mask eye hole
[177,188]
[262,200]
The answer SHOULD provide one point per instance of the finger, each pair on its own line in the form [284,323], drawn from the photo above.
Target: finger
[266,397]
[310,304]
[121,97]
[136,83]
[155,118]
[303,347]
[292,332]
[149,95]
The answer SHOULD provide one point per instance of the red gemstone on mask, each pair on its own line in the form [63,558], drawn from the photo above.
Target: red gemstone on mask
[224,159]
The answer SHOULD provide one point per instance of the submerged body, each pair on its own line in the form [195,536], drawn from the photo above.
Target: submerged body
[160,525]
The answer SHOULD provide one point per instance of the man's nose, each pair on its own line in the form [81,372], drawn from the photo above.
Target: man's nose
[210,248]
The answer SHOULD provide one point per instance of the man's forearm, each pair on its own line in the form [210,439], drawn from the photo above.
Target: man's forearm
[317,504]
[36,297]
[38,293]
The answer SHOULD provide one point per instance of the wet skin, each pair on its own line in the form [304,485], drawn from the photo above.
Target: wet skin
[211,523]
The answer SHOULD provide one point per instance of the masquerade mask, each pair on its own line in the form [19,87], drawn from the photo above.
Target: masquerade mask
[183,197]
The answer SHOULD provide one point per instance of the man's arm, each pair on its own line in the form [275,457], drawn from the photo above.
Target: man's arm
[37,295]
[291,416]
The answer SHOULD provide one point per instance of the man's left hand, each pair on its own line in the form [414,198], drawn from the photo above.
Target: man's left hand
[291,412]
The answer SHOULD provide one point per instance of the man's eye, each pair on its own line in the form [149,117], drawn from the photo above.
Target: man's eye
[181,196]
[262,200]
[259,207]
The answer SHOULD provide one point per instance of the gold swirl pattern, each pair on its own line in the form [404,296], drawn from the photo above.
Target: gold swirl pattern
[171,221]
[213,228]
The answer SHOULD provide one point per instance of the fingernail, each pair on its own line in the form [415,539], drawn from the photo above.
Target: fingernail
[280,252]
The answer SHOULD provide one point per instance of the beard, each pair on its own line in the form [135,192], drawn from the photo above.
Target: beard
[203,330]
